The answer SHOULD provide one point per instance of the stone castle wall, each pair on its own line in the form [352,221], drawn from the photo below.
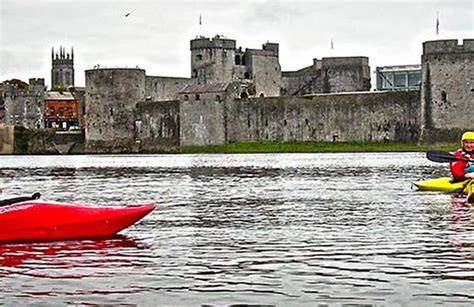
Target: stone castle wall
[266,72]
[111,99]
[158,125]
[164,88]
[303,81]
[25,107]
[349,74]
[7,140]
[372,117]
[202,123]
[329,75]
[447,91]
[365,117]
[19,140]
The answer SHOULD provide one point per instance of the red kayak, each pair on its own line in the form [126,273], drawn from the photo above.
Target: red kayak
[32,221]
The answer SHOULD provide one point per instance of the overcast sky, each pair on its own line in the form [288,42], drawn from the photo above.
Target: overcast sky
[156,35]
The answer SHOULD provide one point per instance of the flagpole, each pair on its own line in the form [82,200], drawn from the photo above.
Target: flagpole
[200,24]
[437,22]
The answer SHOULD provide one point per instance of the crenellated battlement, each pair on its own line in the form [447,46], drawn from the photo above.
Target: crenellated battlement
[345,61]
[272,47]
[216,42]
[448,46]
[36,81]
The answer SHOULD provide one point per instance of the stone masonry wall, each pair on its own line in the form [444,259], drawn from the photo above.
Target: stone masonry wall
[164,88]
[350,74]
[329,75]
[266,72]
[374,116]
[111,99]
[22,141]
[7,140]
[447,97]
[202,123]
[212,59]
[301,82]
[25,108]
[158,125]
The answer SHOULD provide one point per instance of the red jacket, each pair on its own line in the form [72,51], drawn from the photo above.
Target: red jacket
[457,168]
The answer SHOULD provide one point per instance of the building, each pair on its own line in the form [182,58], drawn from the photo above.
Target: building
[328,75]
[24,103]
[62,70]
[61,111]
[398,78]
[217,60]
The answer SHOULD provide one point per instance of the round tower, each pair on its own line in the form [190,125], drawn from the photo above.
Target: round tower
[110,103]
[212,59]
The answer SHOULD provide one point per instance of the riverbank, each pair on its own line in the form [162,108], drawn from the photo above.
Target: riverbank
[315,147]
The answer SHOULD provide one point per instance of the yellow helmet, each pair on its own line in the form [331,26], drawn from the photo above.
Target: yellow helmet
[469,135]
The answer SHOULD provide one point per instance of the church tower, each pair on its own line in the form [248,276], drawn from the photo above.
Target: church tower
[62,71]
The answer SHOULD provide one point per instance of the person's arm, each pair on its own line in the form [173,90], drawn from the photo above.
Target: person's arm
[457,168]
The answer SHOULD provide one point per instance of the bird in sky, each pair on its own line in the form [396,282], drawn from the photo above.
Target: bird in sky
[128,14]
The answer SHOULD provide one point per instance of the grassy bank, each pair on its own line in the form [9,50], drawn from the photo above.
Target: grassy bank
[307,147]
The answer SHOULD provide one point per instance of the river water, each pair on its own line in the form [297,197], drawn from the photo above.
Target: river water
[282,229]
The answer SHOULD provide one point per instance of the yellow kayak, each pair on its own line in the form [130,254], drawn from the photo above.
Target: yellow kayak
[469,190]
[443,184]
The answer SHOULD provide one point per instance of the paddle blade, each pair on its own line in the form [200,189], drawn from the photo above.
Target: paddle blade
[443,156]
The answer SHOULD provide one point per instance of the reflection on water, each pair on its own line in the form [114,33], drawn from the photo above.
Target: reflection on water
[64,254]
[289,229]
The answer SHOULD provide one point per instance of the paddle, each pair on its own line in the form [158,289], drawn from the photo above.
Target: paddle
[14,200]
[443,156]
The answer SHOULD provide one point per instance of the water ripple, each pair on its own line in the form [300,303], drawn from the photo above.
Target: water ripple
[289,229]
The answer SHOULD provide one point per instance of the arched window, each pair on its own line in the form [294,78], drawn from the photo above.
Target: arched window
[199,57]
[194,74]
[244,95]
[247,75]
[197,97]
[244,60]
[186,97]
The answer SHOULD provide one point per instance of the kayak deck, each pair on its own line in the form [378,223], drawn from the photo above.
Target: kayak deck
[33,221]
[443,184]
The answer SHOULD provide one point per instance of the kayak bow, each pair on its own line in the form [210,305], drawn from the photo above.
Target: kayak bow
[32,221]
[443,184]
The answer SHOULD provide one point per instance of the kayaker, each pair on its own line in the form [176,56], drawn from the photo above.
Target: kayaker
[462,170]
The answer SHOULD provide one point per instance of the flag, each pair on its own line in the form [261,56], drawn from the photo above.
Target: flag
[437,23]
[200,19]
[332,44]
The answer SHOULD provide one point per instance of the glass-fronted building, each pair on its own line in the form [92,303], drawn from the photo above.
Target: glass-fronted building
[398,78]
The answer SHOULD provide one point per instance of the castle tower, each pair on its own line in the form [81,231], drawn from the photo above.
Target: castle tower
[447,89]
[110,101]
[62,71]
[212,59]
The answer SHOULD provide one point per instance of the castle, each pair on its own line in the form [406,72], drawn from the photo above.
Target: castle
[236,95]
